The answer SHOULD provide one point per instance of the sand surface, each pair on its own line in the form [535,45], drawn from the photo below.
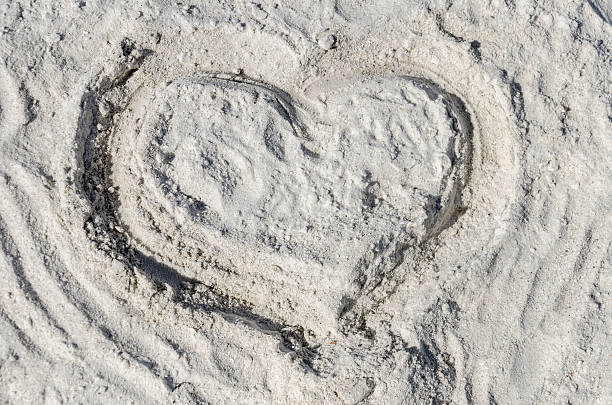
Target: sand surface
[313,202]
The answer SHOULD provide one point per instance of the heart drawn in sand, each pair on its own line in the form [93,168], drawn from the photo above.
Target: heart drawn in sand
[269,198]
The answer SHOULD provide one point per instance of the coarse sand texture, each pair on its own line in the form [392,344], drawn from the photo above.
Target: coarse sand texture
[315,202]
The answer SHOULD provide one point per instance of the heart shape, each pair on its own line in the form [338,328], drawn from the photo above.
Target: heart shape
[237,185]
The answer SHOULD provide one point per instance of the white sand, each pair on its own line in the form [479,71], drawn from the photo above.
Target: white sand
[311,203]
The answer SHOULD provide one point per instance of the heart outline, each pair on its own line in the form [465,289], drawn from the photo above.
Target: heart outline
[292,337]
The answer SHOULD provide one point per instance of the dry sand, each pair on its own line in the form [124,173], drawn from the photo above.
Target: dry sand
[320,202]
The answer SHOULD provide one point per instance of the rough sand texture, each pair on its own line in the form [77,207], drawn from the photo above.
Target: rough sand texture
[320,202]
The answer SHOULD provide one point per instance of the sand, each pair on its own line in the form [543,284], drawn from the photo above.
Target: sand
[317,202]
